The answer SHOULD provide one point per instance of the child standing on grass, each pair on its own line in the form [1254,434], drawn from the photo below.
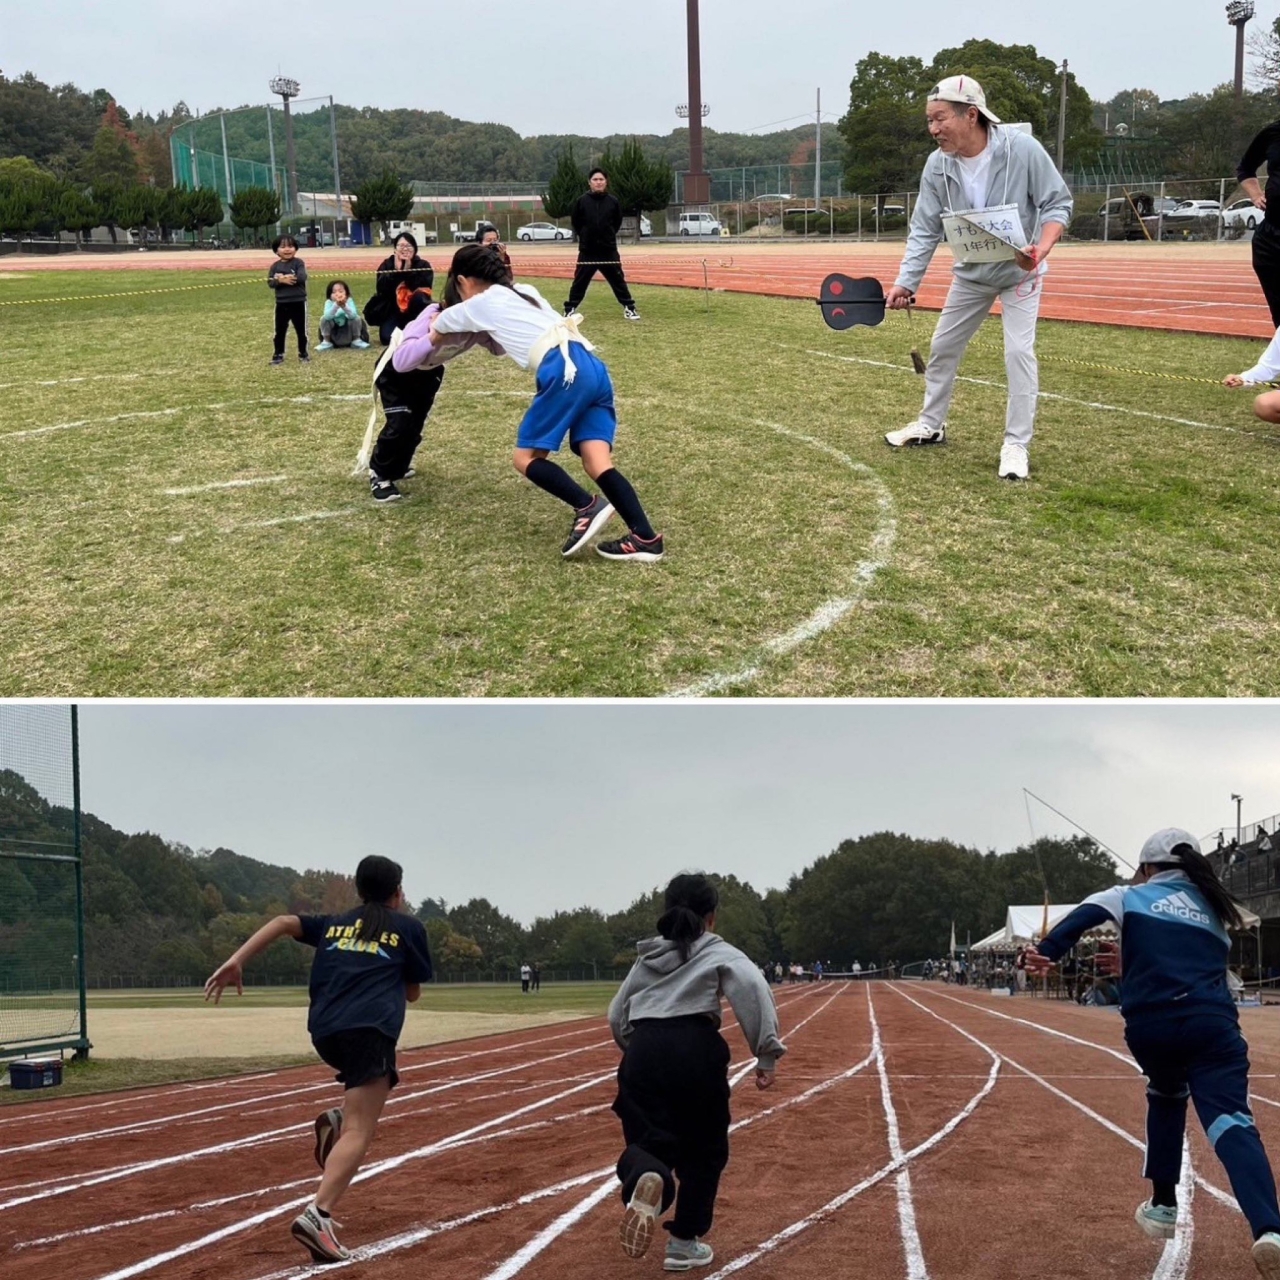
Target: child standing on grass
[1181,1026]
[369,961]
[574,398]
[673,1084]
[288,277]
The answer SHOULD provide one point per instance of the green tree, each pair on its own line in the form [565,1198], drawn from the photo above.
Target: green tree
[499,937]
[75,210]
[21,209]
[135,208]
[382,199]
[567,185]
[638,184]
[203,209]
[111,160]
[254,208]
[587,942]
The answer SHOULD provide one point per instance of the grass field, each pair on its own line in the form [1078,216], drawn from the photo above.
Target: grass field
[805,558]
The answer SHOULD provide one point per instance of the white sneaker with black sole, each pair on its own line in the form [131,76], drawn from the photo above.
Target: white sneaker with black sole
[916,433]
[1013,462]
[630,313]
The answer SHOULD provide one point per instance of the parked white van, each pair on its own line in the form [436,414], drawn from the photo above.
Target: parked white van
[698,224]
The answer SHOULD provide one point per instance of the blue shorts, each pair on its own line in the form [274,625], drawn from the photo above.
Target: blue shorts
[582,410]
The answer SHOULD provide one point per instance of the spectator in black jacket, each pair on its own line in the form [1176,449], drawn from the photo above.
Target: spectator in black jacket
[1266,239]
[400,276]
[596,219]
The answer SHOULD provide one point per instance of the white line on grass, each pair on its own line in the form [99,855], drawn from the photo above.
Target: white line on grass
[830,612]
[222,484]
[305,518]
[911,1247]
[1176,1254]
[1044,395]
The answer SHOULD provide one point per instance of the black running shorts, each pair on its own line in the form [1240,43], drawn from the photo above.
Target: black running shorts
[359,1056]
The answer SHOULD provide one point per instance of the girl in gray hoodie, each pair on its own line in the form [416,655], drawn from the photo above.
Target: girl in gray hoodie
[673,1084]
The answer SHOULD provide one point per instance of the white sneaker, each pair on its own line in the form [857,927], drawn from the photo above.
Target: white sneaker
[1013,462]
[685,1255]
[641,1216]
[1266,1255]
[1157,1221]
[917,433]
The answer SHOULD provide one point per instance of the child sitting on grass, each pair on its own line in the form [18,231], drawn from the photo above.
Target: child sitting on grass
[342,325]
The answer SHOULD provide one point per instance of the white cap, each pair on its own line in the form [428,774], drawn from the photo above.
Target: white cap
[1159,847]
[966,91]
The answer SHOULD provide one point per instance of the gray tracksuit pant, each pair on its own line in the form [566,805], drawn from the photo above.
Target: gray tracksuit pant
[967,306]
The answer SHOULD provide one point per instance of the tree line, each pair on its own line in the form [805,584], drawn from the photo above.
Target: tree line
[156,910]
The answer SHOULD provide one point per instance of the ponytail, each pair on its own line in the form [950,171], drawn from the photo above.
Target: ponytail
[1200,872]
[689,900]
[480,262]
[378,880]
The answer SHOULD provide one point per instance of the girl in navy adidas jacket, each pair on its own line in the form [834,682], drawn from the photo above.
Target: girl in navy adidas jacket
[1182,1028]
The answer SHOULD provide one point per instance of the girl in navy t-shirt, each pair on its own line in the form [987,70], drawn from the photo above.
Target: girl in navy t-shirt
[369,961]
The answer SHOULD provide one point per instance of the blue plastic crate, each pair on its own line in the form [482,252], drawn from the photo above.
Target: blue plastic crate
[35,1074]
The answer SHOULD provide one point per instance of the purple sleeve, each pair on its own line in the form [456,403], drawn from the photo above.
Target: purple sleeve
[416,344]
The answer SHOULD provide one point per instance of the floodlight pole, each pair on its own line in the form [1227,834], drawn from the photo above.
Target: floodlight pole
[287,89]
[1062,119]
[1239,825]
[337,182]
[817,161]
[1239,15]
[82,1049]
[271,152]
[226,159]
[697,183]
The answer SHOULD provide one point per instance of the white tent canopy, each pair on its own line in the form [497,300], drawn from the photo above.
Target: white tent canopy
[1025,925]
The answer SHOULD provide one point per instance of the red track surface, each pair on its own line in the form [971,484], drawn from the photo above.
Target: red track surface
[202,1180]
[1191,288]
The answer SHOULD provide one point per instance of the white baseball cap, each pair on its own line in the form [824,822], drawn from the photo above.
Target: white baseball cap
[1159,847]
[966,91]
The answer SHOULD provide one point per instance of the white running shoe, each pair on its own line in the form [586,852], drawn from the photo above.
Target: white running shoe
[1013,462]
[641,1217]
[1266,1255]
[916,433]
[1156,1220]
[685,1255]
[315,1231]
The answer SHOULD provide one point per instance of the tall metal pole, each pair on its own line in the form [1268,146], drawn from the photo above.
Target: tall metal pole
[271,151]
[337,182]
[226,160]
[1239,825]
[697,186]
[1239,15]
[1062,119]
[82,1050]
[290,161]
[817,161]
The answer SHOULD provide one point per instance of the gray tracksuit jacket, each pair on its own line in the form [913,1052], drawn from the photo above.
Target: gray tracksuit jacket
[660,986]
[1021,173]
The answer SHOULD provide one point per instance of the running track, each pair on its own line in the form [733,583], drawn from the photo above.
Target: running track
[914,1131]
[1188,288]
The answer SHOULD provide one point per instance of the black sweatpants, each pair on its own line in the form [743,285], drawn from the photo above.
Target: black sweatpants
[673,1101]
[1266,266]
[612,272]
[406,400]
[291,313]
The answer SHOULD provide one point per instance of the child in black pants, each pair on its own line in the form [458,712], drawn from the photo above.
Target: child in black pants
[288,277]
[673,1086]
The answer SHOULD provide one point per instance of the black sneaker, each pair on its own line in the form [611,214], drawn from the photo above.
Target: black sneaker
[304,359]
[630,313]
[633,548]
[277,359]
[569,308]
[586,524]
[384,490]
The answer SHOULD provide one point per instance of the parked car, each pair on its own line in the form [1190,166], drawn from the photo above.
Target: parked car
[698,224]
[542,231]
[894,211]
[1241,214]
[1193,211]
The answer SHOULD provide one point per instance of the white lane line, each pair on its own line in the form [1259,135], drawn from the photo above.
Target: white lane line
[305,518]
[911,1246]
[1044,395]
[222,484]
[830,612]
[1176,1255]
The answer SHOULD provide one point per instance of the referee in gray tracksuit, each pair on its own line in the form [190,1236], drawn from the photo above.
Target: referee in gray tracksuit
[981,165]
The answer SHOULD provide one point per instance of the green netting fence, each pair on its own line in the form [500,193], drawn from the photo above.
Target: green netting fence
[42,970]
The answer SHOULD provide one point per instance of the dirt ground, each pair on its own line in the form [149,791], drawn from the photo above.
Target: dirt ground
[225,1032]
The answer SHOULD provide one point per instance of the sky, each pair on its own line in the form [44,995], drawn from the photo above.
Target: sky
[586,66]
[540,807]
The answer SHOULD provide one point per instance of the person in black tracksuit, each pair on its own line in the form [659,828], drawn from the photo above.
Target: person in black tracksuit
[673,1086]
[288,279]
[596,219]
[1266,237]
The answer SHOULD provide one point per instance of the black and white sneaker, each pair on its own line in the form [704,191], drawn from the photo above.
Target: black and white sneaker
[631,547]
[586,524]
[384,490]
[569,308]
[630,313]
[277,359]
[304,359]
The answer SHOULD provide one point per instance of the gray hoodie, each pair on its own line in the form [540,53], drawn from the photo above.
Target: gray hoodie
[660,986]
[1021,173]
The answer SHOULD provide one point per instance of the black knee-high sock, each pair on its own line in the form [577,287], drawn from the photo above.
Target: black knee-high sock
[617,488]
[1164,1193]
[558,483]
